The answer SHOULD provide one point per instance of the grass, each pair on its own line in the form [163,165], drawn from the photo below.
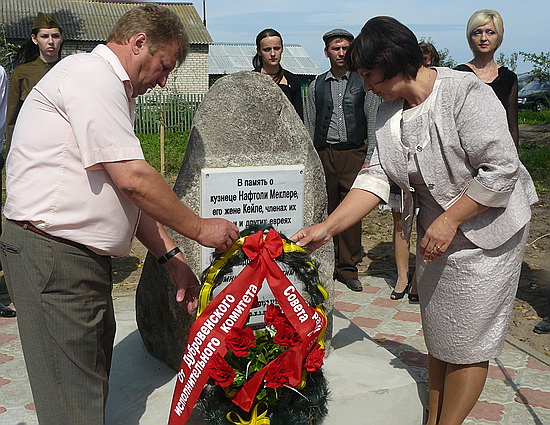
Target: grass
[175,145]
[536,160]
[536,156]
[534,118]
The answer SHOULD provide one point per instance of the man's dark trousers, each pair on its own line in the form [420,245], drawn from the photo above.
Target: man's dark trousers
[67,326]
[341,168]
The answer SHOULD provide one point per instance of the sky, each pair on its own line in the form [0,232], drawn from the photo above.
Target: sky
[303,22]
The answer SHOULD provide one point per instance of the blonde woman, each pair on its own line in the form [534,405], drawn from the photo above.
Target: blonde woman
[485,32]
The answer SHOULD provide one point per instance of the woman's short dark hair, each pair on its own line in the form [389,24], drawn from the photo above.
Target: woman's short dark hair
[257,62]
[386,43]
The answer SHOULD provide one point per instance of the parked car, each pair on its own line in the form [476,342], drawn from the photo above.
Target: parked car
[524,79]
[535,95]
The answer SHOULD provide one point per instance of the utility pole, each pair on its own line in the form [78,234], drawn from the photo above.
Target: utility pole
[204,12]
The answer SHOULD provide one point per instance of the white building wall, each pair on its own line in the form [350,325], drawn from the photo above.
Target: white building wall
[190,77]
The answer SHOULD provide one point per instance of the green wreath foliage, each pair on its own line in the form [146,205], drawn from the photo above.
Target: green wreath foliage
[307,406]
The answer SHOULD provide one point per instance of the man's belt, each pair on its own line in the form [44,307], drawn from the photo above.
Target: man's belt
[28,226]
[343,146]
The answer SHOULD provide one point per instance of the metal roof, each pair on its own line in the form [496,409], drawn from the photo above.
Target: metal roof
[227,58]
[88,20]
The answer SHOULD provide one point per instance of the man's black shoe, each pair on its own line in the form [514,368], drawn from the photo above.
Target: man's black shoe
[543,327]
[354,284]
[6,311]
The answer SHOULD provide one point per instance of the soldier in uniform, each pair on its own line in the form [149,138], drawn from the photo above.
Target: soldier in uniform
[38,55]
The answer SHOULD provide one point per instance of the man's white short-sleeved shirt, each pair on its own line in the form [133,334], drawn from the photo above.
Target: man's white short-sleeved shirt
[79,116]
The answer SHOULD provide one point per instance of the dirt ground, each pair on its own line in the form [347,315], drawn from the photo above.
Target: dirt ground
[532,302]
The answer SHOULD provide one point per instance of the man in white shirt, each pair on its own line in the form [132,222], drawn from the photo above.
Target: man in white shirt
[78,190]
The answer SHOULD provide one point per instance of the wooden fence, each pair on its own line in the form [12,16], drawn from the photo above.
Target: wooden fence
[175,111]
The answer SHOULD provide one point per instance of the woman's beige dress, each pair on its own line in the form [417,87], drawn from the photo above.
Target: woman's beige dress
[466,296]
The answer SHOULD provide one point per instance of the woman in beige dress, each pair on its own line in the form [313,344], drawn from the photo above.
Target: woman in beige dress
[443,139]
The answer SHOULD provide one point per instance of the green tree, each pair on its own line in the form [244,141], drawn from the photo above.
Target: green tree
[541,64]
[541,67]
[445,58]
[510,62]
[7,50]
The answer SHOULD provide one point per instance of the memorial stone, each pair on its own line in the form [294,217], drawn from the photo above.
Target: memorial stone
[244,121]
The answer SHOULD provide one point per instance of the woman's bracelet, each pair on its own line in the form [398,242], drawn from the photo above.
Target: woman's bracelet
[169,255]
[448,224]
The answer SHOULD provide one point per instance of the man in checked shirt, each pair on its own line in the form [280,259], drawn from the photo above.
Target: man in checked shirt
[341,119]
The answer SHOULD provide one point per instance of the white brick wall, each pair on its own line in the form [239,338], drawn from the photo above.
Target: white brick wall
[191,77]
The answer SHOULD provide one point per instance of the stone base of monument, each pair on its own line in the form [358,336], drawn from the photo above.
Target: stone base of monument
[368,384]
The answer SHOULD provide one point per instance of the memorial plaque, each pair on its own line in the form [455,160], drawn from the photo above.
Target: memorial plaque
[254,195]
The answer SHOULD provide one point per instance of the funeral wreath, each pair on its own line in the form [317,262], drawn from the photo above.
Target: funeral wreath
[256,373]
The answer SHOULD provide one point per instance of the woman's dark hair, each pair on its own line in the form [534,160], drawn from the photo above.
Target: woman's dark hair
[429,50]
[257,62]
[29,51]
[387,43]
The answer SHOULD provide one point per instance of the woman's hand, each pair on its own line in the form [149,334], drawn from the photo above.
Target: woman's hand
[442,231]
[312,237]
[438,237]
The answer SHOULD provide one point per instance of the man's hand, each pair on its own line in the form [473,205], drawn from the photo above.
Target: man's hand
[185,281]
[217,233]
[311,237]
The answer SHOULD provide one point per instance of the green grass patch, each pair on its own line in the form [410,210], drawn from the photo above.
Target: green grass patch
[175,145]
[534,118]
[536,160]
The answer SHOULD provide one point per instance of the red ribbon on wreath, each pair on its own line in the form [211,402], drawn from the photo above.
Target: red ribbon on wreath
[231,308]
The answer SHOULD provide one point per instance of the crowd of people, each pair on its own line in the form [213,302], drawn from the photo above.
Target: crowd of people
[390,126]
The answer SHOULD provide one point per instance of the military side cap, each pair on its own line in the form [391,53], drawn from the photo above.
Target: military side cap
[45,20]
[337,33]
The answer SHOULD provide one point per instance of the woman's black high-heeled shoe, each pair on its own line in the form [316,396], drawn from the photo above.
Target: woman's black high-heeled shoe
[398,295]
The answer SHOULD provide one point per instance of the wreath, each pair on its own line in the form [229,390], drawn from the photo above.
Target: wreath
[272,374]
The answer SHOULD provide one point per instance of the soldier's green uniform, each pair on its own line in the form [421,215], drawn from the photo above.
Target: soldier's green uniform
[23,79]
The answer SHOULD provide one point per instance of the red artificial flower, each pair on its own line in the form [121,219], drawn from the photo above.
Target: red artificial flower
[240,340]
[286,335]
[277,374]
[314,359]
[220,370]
[273,315]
